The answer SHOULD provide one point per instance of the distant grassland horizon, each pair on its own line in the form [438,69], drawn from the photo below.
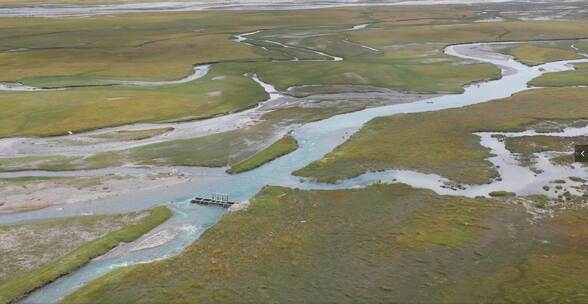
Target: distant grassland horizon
[97,49]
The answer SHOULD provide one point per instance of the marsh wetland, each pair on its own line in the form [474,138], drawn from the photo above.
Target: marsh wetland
[396,153]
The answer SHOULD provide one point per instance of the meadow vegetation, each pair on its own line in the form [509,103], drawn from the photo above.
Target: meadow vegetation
[577,77]
[443,142]
[397,34]
[65,245]
[283,146]
[526,146]
[538,53]
[400,245]
[382,243]
[96,51]
[79,109]
[216,150]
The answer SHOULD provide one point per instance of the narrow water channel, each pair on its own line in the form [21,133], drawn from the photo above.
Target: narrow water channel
[315,139]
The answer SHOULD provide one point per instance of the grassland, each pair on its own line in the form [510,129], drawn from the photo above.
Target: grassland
[442,142]
[420,78]
[550,276]
[217,150]
[74,51]
[578,77]
[526,146]
[397,34]
[99,49]
[51,163]
[58,112]
[283,146]
[538,53]
[28,246]
[74,251]
[386,243]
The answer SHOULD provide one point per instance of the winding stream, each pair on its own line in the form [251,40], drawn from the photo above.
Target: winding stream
[48,146]
[315,139]
[198,72]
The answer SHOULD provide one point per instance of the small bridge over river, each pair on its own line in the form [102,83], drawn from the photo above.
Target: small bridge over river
[216,199]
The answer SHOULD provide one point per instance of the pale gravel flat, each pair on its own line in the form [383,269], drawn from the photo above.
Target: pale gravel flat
[22,196]
[73,145]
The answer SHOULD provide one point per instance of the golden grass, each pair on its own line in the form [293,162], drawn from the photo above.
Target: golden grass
[57,112]
[283,146]
[296,242]
[385,243]
[578,77]
[536,54]
[98,49]
[442,142]
[471,32]
[22,283]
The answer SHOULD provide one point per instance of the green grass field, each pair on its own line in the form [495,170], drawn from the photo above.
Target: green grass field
[217,150]
[461,31]
[22,282]
[380,72]
[283,146]
[385,243]
[99,49]
[578,77]
[526,146]
[452,150]
[538,53]
[57,112]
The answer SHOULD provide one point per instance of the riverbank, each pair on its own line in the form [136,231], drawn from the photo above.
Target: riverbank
[315,139]
[402,65]
[450,138]
[21,284]
[283,146]
[403,46]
